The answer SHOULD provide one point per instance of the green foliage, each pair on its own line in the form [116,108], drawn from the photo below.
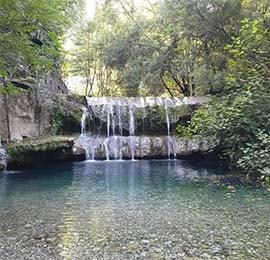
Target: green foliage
[240,117]
[173,47]
[155,119]
[31,34]
[58,119]
[10,89]
[256,155]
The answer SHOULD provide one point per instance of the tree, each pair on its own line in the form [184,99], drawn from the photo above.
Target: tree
[31,35]
[240,117]
[178,45]
[84,56]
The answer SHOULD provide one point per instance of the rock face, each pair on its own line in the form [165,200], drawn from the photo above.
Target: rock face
[120,147]
[3,159]
[28,112]
[21,117]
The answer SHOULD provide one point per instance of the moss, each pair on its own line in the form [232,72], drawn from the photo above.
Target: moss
[76,115]
[72,121]
[66,118]
[31,152]
[43,144]
[58,116]
[181,110]
[155,121]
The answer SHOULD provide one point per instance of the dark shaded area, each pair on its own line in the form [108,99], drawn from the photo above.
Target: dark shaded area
[40,158]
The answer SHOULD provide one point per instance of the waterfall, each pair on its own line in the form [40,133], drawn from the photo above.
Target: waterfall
[112,118]
[168,127]
[167,117]
[121,116]
[108,111]
[132,141]
[119,112]
[171,142]
[106,146]
[144,115]
[83,120]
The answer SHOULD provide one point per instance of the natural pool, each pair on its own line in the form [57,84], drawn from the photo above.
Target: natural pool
[131,210]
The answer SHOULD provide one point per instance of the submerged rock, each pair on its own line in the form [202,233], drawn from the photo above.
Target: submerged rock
[40,236]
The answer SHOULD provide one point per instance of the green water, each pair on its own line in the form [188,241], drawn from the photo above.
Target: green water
[131,210]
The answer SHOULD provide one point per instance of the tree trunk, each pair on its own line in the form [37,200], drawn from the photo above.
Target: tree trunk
[7,111]
[165,85]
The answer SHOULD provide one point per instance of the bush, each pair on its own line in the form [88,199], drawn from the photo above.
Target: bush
[240,117]
[256,155]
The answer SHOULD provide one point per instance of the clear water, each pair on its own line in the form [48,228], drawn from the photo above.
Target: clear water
[131,210]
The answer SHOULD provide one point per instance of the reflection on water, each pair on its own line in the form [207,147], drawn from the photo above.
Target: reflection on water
[130,210]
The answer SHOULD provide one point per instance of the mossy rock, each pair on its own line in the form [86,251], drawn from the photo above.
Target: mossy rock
[67,113]
[35,152]
[155,121]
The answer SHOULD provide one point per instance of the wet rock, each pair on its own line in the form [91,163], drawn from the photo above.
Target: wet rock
[96,249]
[157,256]
[144,146]
[145,242]
[231,188]
[157,250]
[28,226]
[51,240]
[40,236]
[132,246]
[39,151]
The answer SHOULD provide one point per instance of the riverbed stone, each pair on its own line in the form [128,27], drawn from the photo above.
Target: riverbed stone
[40,236]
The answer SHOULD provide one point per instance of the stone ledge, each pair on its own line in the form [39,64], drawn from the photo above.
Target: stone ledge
[145,146]
[39,151]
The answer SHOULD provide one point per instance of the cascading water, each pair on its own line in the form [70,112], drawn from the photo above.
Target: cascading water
[83,120]
[144,115]
[119,112]
[170,139]
[120,117]
[168,127]
[132,131]
[112,118]
[3,158]
[107,151]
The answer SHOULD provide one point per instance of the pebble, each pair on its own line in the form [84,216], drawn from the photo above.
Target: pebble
[231,189]
[145,242]
[28,226]
[40,236]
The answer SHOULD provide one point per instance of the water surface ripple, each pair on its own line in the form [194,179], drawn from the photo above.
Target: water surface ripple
[131,210]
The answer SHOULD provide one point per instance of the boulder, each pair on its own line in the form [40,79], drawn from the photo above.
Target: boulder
[36,152]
